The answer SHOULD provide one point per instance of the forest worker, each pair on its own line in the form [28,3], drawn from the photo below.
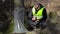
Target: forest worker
[37,16]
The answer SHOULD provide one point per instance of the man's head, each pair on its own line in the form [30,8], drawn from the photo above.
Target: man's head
[37,5]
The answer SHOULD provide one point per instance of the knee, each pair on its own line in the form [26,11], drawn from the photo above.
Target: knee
[43,26]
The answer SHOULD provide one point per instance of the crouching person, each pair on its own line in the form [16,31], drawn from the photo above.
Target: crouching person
[37,16]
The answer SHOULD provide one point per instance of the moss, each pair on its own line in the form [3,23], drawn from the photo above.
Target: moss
[11,27]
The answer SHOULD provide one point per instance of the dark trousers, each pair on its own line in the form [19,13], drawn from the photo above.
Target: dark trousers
[37,25]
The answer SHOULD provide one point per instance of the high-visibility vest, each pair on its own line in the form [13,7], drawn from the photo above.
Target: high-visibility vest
[39,14]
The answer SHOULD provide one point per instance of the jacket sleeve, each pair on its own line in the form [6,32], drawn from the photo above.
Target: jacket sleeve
[30,15]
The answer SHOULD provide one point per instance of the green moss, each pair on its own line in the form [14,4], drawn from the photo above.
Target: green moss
[11,27]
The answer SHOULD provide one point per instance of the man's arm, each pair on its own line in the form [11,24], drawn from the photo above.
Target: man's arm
[30,16]
[44,15]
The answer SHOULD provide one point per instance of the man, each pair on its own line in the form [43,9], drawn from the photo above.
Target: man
[37,17]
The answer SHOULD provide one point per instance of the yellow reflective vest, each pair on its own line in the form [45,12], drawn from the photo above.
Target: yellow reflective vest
[39,14]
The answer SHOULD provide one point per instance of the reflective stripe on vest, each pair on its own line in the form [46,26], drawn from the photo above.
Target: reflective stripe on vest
[39,13]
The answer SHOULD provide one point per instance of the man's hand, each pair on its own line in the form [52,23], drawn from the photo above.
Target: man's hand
[36,20]
[33,19]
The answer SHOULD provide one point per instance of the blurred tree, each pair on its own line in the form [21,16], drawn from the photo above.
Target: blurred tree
[6,8]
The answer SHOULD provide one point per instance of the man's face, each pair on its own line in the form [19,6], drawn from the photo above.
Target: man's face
[37,6]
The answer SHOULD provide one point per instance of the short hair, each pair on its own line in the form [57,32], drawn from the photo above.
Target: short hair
[37,3]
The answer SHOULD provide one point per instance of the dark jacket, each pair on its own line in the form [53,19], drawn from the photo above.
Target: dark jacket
[30,15]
